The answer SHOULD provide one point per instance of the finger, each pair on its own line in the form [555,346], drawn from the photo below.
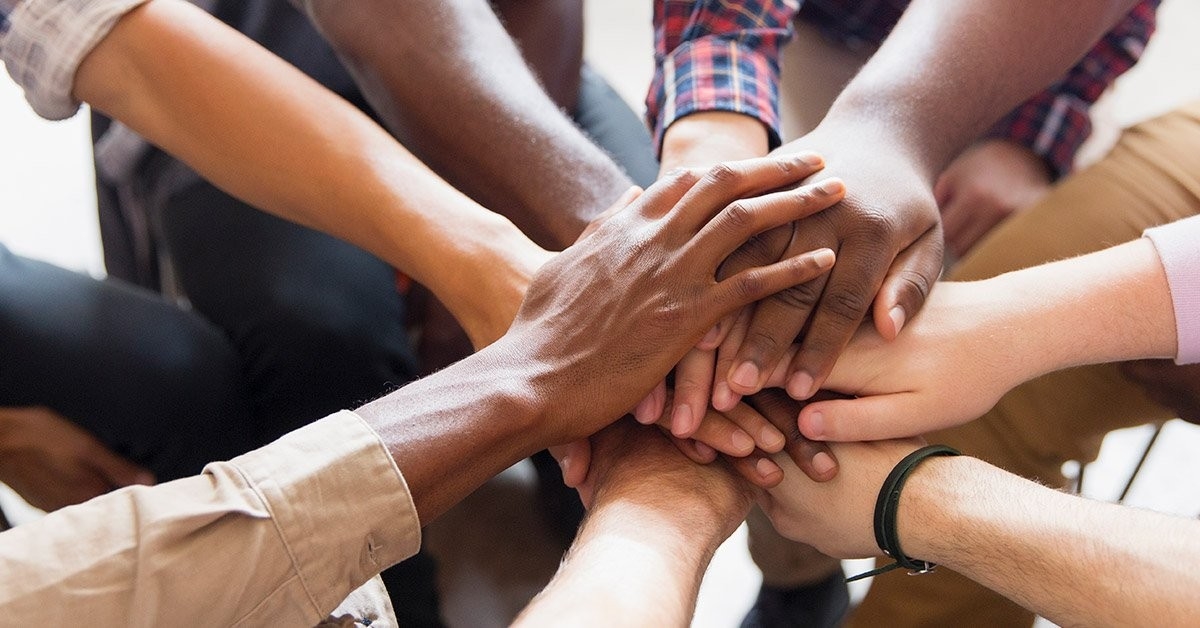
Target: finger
[766,436]
[745,218]
[695,451]
[693,384]
[650,409]
[758,470]
[727,182]
[814,458]
[717,334]
[757,284]
[848,295]
[665,194]
[771,333]
[575,460]
[722,434]
[877,417]
[723,396]
[117,470]
[908,283]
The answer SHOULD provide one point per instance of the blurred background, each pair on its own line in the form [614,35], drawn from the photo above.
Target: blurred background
[491,563]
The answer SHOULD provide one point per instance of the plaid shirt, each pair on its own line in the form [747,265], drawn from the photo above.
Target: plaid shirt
[723,55]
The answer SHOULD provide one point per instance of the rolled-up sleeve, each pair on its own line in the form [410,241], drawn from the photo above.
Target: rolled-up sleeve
[278,536]
[1178,246]
[44,41]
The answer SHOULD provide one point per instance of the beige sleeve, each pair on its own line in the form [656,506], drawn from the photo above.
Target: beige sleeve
[278,536]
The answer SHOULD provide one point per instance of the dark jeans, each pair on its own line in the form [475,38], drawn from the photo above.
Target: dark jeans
[158,384]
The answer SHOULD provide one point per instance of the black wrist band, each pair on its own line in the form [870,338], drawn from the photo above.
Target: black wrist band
[888,503]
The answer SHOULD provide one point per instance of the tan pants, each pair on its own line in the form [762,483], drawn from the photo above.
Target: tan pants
[1151,177]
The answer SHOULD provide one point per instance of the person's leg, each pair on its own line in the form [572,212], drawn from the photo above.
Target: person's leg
[155,383]
[1151,177]
[318,324]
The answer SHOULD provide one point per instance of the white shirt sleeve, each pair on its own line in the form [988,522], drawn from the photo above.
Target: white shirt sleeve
[43,42]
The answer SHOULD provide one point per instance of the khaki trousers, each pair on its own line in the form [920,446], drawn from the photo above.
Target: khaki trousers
[1151,177]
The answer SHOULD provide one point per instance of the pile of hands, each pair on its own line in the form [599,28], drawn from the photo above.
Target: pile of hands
[802,396]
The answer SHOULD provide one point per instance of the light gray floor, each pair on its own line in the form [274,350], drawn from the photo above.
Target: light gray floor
[492,546]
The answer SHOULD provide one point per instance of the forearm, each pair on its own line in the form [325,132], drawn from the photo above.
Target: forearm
[276,139]
[1107,306]
[950,69]
[453,430]
[463,99]
[1073,561]
[630,565]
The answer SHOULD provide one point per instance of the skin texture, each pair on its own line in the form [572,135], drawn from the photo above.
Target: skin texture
[518,155]
[304,155]
[986,184]
[975,341]
[932,88]
[1050,552]
[563,372]
[53,463]
[655,520]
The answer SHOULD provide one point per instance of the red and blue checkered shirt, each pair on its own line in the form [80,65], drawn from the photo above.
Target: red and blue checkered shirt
[723,55]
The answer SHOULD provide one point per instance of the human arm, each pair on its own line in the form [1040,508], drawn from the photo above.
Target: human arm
[305,155]
[325,507]
[51,462]
[977,340]
[654,521]
[1013,165]
[934,86]
[1069,559]
[464,101]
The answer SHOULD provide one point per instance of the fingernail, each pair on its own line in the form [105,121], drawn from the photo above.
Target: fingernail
[711,337]
[641,413]
[723,397]
[823,463]
[830,186]
[815,425]
[681,420]
[770,440]
[800,386]
[766,468]
[565,463]
[705,451]
[898,317]
[746,375]
[742,442]
[812,159]
[824,258]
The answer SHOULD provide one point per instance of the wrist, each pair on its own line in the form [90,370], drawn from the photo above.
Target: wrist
[486,290]
[702,140]
[931,505]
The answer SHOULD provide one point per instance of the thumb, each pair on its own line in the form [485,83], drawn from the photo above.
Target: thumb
[879,417]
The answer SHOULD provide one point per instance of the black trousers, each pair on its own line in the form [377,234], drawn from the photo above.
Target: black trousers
[158,384]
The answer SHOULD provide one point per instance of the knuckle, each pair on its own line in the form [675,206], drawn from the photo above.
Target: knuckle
[766,341]
[723,174]
[800,297]
[739,216]
[750,286]
[874,226]
[914,283]
[685,177]
[848,306]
